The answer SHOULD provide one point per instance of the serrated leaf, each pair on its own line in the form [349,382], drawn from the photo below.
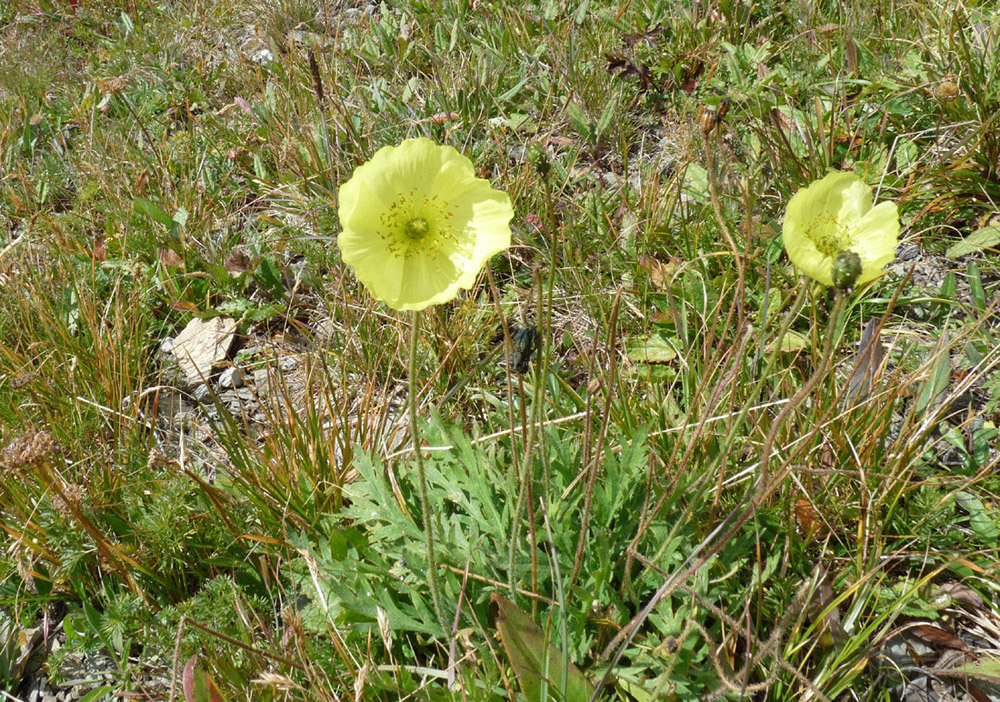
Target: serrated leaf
[534,659]
[985,238]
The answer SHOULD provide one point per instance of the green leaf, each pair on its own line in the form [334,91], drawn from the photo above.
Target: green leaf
[652,349]
[535,661]
[268,277]
[976,287]
[578,119]
[97,694]
[937,384]
[152,210]
[979,517]
[792,341]
[985,238]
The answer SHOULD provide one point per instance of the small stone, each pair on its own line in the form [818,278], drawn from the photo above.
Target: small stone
[262,57]
[232,377]
[202,345]
[261,381]
[202,392]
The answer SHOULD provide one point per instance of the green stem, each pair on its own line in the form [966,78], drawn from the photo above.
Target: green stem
[524,475]
[425,508]
[728,528]
[543,316]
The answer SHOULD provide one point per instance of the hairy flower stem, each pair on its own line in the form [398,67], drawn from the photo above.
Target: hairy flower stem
[543,315]
[724,532]
[524,473]
[425,507]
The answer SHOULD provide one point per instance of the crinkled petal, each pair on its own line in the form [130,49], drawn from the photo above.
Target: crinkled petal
[801,249]
[875,240]
[430,280]
[836,213]
[469,223]
[848,197]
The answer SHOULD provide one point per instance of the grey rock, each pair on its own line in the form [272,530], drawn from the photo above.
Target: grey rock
[261,381]
[202,393]
[202,345]
[232,377]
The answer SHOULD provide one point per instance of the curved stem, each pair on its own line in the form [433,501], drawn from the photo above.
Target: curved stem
[425,508]
[740,515]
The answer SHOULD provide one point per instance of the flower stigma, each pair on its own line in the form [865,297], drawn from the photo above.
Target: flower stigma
[416,228]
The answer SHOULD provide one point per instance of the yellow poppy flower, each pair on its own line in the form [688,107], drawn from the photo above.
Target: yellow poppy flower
[835,214]
[417,224]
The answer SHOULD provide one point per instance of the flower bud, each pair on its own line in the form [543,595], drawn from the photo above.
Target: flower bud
[846,269]
[539,158]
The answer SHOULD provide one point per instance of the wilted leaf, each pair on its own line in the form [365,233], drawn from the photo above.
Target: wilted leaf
[171,259]
[807,518]
[528,652]
[237,262]
[960,592]
[935,386]
[198,684]
[659,272]
[936,636]
[442,117]
[867,363]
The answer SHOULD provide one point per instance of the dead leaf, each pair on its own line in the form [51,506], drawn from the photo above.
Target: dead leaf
[807,518]
[237,262]
[960,592]
[936,636]
[171,259]
[659,272]
[442,117]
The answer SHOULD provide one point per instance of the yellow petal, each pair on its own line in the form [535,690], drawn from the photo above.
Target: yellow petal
[875,240]
[833,214]
[466,222]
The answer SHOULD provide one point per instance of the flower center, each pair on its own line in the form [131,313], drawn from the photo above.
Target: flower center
[828,235]
[416,229]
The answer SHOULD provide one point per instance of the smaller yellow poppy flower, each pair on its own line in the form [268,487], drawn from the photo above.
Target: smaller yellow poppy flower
[835,214]
[417,224]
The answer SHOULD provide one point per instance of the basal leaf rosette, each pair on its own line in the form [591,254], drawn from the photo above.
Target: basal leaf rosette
[835,214]
[417,224]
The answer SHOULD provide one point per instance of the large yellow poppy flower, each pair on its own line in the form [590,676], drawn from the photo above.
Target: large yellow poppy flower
[418,225]
[835,214]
